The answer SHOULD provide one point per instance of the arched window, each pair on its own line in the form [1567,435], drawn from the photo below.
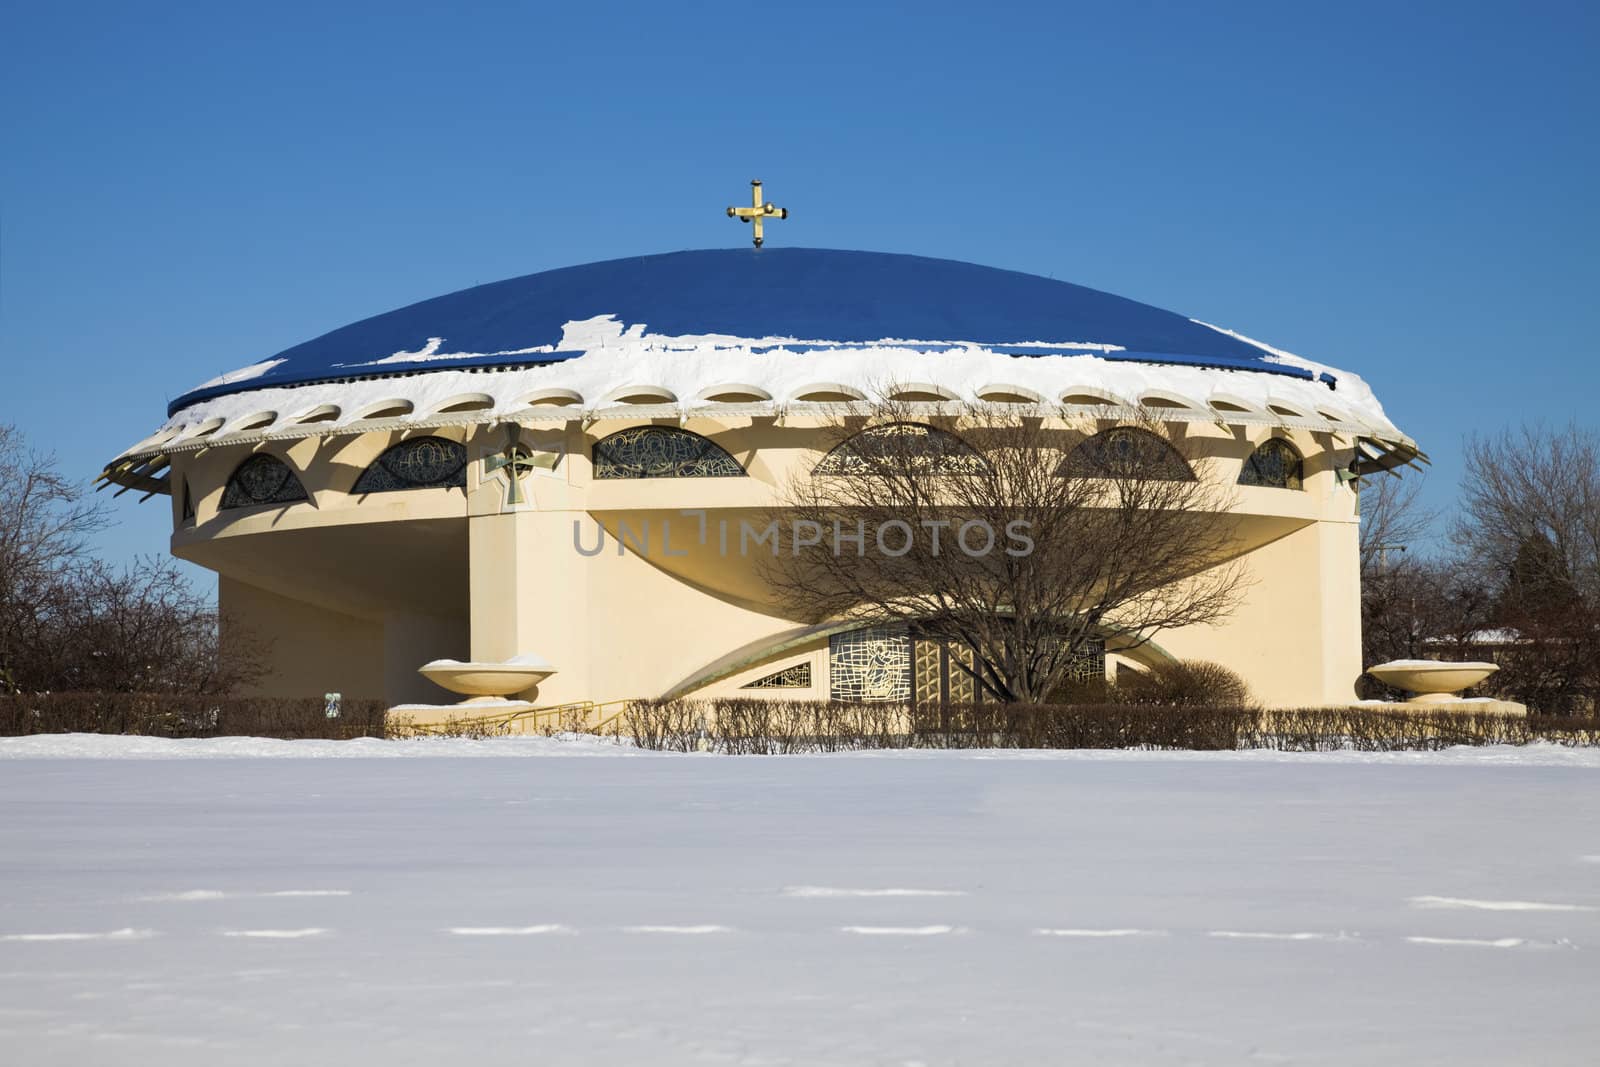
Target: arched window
[796,676]
[662,452]
[1276,464]
[1127,452]
[902,446]
[420,463]
[261,479]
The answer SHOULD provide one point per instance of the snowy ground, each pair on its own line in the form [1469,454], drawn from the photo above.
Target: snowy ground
[931,908]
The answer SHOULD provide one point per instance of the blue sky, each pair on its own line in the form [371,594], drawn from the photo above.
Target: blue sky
[1406,191]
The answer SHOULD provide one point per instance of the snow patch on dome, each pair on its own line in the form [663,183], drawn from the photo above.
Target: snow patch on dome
[243,374]
[601,332]
[429,353]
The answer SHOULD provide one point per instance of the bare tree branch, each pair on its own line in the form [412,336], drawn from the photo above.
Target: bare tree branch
[1530,525]
[987,529]
[69,621]
[1392,520]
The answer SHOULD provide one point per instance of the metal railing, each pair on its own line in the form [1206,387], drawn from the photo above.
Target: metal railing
[583,716]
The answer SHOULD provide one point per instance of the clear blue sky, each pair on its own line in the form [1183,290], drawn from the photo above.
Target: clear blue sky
[1404,190]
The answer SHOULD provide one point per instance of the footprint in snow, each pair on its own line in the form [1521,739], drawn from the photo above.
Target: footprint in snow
[1500,942]
[309,931]
[125,934]
[218,894]
[831,891]
[1495,905]
[1269,935]
[1047,931]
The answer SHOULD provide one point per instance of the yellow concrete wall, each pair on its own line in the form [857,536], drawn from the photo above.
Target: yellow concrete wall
[1296,636]
[308,650]
[359,591]
[410,640]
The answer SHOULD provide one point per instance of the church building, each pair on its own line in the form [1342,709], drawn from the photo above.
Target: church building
[518,478]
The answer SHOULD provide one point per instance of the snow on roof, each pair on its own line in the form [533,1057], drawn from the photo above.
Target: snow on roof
[617,366]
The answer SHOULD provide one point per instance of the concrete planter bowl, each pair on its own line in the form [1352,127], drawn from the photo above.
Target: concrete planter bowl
[1432,682]
[486,683]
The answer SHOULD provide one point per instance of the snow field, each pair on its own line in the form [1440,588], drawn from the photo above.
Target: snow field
[932,907]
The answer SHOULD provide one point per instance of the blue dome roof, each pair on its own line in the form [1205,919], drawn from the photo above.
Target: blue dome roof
[805,293]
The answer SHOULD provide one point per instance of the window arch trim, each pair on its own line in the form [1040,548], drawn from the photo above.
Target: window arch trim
[1274,464]
[261,480]
[1127,451]
[661,452]
[943,451]
[415,463]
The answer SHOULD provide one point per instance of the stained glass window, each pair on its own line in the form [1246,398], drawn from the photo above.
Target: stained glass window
[662,452]
[261,479]
[797,676]
[1276,465]
[939,675]
[900,446]
[873,664]
[1088,663]
[1127,452]
[420,463]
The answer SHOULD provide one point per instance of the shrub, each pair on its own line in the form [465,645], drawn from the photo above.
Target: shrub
[775,727]
[1185,683]
[771,727]
[185,715]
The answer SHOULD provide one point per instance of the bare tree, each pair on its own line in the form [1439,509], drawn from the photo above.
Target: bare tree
[69,621]
[44,524]
[1530,522]
[1534,485]
[142,628]
[1392,520]
[1025,539]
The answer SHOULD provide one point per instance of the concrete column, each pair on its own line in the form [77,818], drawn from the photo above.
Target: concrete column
[1340,557]
[528,596]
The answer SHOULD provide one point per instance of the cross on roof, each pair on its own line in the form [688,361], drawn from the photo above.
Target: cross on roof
[757,212]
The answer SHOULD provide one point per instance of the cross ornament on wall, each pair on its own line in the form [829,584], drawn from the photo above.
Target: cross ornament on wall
[515,460]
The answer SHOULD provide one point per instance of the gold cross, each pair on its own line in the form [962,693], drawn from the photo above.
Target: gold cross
[757,212]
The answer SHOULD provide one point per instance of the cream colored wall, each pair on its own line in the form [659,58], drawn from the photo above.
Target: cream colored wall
[307,650]
[410,640]
[664,629]
[444,573]
[1296,636]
